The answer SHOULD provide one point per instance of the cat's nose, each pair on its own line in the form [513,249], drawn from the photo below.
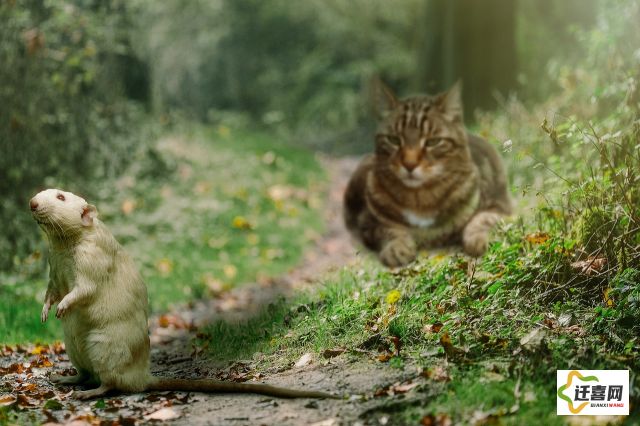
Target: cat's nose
[410,167]
[33,204]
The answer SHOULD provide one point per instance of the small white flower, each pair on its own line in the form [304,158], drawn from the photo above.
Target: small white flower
[507,145]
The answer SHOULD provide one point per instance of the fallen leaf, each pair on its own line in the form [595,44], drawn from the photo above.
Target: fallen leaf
[330,353]
[436,420]
[537,237]
[532,341]
[42,362]
[214,285]
[385,357]
[164,266]
[590,266]
[202,187]
[327,422]
[397,344]
[432,328]
[564,320]
[128,206]
[162,414]
[608,299]
[438,373]
[269,158]
[7,399]
[491,376]
[449,349]
[304,360]
[171,320]
[25,401]
[280,192]
[404,387]
[240,222]
[230,271]
[372,342]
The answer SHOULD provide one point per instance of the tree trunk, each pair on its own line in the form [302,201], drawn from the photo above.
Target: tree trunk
[472,41]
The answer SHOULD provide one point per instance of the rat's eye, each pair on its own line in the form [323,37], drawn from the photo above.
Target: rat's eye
[60,197]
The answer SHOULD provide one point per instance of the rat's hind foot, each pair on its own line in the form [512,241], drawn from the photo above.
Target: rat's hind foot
[92,393]
[78,379]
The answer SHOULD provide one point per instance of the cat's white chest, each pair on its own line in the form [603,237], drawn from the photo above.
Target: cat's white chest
[417,220]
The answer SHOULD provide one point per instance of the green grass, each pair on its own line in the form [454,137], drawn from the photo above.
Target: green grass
[485,313]
[204,211]
[473,394]
[20,318]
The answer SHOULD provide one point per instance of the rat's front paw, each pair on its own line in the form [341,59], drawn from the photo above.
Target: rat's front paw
[63,308]
[45,312]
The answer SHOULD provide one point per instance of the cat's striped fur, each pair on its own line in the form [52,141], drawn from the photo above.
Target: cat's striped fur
[428,184]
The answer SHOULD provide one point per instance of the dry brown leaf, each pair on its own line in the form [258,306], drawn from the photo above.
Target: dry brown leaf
[432,328]
[163,414]
[304,360]
[438,373]
[128,206]
[450,350]
[171,320]
[537,237]
[42,362]
[590,266]
[7,399]
[164,266]
[437,420]
[533,340]
[330,353]
[25,401]
[404,387]
[385,357]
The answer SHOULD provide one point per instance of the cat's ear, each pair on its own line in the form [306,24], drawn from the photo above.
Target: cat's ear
[382,97]
[450,103]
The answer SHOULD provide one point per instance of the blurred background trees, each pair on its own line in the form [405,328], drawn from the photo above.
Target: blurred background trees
[80,79]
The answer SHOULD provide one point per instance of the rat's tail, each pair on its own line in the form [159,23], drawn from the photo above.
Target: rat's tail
[210,385]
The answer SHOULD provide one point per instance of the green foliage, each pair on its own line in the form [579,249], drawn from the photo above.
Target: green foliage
[64,117]
[302,65]
[564,275]
[202,212]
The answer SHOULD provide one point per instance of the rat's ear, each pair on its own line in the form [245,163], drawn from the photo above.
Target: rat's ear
[89,212]
[450,103]
[382,97]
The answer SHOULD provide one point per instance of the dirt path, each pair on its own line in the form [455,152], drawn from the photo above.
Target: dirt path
[172,351]
[173,355]
[331,250]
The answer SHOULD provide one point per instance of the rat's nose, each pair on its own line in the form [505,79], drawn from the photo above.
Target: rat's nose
[33,204]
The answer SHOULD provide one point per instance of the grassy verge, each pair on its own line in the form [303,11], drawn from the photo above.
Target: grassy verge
[489,336]
[202,211]
[558,289]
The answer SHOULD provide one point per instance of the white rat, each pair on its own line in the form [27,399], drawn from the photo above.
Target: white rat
[103,307]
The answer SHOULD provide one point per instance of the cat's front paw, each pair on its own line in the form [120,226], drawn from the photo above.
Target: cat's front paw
[398,252]
[476,244]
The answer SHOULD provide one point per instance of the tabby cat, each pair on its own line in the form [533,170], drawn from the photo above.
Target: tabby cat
[428,184]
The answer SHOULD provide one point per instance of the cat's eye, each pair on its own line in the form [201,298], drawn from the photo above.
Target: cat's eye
[389,140]
[60,197]
[431,142]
